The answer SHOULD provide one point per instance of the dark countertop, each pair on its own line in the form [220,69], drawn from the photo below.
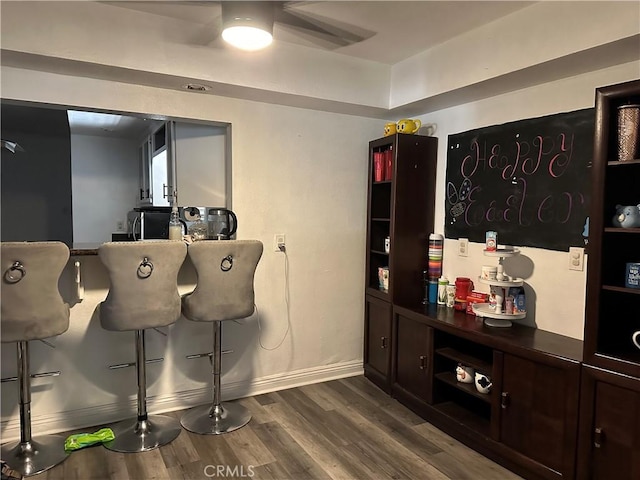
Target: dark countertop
[84,249]
[517,338]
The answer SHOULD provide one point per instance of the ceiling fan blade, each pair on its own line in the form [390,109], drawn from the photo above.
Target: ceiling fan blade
[330,30]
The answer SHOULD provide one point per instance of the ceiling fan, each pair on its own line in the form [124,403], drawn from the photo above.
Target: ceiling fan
[320,31]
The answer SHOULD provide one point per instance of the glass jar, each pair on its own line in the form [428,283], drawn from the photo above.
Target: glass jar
[198,230]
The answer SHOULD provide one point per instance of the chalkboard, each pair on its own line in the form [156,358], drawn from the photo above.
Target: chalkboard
[527,180]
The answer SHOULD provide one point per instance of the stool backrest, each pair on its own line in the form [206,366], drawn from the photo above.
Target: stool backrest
[143,290]
[224,289]
[32,307]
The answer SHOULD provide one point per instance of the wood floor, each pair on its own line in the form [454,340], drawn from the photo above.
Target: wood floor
[342,429]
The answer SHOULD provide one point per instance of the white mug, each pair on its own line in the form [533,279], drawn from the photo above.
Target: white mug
[635,337]
[483,383]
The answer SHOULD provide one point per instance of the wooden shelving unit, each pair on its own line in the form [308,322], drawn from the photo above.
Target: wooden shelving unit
[610,392]
[400,207]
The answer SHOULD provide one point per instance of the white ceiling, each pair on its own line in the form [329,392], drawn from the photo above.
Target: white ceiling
[398,29]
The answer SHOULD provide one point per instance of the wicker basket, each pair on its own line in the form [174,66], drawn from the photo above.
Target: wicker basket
[628,132]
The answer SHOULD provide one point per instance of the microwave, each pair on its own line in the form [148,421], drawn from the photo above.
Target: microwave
[148,223]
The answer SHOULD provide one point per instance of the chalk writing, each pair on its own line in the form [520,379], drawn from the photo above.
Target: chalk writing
[528,180]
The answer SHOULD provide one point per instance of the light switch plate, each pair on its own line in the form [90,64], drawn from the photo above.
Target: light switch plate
[576,258]
[463,247]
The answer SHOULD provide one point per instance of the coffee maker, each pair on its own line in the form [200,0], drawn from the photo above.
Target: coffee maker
[222,223]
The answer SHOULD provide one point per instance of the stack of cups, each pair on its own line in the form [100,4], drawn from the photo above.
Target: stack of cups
[436,242]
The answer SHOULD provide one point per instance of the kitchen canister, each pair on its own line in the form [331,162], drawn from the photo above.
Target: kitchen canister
[436,242]
[489,272]
[464,285]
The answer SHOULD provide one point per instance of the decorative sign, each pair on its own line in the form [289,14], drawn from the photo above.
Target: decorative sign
[527,180]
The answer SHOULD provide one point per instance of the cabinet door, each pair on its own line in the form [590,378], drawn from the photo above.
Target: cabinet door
[377,351]
[539,414]
[162,168]
[144,174]
[610,427]
[201,164]
[414,346]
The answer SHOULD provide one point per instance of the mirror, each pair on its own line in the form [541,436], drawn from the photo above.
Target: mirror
[76,174]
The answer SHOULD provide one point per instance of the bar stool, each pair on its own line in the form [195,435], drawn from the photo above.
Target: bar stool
[143,294]
[224,291]
[32,309]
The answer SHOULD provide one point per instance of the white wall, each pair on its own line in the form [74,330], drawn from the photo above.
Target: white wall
[556,294]
[104,182]
[295,171]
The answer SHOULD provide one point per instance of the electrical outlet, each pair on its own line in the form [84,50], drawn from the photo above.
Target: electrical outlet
[463,247]
[576,258]
[119,226]
[279,242]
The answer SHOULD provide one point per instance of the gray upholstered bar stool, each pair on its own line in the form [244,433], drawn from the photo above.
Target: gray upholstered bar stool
[143,294]
[32,309]
[224,291]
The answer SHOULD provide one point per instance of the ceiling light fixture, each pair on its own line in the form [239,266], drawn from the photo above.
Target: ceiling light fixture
[247,25]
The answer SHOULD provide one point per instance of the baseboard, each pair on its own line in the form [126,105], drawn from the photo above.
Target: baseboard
[108,413]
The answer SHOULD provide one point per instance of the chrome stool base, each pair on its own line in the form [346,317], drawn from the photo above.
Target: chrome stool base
[133,436]
[222,418]
[35,456]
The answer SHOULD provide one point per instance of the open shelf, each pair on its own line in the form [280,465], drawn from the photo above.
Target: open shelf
[470,388]
[515,282]
[626,162]
[467,360]
[613,288]
[465,417]
[484,310]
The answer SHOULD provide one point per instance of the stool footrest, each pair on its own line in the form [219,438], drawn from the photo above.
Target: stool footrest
[132,364]
[33,375]
[210,354]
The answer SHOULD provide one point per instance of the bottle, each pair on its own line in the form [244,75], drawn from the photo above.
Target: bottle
[175,227]
[442,290]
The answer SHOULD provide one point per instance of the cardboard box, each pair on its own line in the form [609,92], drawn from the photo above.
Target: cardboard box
[476,297]
[519,304]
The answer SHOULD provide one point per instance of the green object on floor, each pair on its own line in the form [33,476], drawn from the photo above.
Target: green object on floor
[81,440]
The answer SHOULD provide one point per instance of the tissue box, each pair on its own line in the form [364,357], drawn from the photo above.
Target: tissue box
[632,279]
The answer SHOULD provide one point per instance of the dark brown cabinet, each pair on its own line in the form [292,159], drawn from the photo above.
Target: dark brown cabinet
[539,411]
[400,211]
[413,366]
[610,432]
[529,419]
[610,394]
[377,347]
